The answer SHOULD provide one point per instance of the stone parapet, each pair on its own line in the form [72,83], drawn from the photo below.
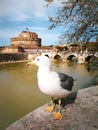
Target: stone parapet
[79,110]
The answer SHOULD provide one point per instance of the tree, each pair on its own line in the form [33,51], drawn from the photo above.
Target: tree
[79,19]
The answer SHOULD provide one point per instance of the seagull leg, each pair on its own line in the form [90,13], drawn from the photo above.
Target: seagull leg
[58,115]
[50,108]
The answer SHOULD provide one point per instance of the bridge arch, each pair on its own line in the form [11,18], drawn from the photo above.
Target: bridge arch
[70,57]
[57,57]
[88,58]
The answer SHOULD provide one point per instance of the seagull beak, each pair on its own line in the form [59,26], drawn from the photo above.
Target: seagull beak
[29,64]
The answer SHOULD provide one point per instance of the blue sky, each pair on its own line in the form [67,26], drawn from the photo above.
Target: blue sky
[17,15]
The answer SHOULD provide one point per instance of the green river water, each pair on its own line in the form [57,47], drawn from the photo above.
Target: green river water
[19,92]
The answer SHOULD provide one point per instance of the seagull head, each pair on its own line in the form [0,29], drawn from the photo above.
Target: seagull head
[42,61]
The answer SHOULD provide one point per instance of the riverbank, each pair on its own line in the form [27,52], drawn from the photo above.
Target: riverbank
[12,57]
[12,62]
[80,112]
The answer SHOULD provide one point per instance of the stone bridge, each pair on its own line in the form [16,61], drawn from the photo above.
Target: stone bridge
[81,57]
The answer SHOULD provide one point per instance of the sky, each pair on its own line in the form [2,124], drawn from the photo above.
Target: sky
[17,15]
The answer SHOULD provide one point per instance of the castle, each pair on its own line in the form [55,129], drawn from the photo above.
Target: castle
[29,42]
[25,41]
[28,45]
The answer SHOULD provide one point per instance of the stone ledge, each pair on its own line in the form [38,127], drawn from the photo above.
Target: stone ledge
[79,109]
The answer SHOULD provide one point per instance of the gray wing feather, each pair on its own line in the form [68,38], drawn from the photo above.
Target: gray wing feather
[66,81]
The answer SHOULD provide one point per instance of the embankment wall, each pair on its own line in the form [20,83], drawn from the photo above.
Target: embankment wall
[10,57]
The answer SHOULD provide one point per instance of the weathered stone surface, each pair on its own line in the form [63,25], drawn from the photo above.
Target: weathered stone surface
[11,57]
[80,112]
[26,39]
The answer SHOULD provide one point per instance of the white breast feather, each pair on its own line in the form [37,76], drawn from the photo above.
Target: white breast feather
[49,83]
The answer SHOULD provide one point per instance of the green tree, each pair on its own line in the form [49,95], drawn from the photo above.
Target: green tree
[79,19]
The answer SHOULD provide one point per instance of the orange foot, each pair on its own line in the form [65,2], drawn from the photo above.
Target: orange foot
[57,116]
[49,108]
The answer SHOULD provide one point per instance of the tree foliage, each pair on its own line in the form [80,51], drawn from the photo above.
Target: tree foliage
[79,19]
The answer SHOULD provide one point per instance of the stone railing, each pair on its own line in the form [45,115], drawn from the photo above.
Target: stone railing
[80,112]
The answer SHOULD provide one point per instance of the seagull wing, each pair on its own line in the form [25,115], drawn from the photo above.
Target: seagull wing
[66,81]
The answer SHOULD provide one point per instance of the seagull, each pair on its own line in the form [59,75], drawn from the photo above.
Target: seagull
[52,83]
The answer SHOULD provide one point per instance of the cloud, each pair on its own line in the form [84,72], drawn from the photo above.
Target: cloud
[16,15]
[8,33]
[18,10]
[48,38]
[38,28]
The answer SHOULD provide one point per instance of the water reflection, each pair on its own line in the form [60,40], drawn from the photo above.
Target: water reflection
[19,93]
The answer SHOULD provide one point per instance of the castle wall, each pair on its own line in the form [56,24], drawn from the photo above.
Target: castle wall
[25,43]
[8,49]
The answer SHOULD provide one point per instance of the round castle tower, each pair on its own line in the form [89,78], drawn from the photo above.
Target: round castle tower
[26,39]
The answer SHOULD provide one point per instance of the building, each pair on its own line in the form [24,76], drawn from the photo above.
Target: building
[9,49]
[26,39]
[25,42]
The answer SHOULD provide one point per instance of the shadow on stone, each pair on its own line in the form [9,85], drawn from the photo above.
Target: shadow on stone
[70,99]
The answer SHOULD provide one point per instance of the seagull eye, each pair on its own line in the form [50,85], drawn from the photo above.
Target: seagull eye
[37,59]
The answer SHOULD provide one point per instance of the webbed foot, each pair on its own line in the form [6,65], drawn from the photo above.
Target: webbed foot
[57,116]
[49,108]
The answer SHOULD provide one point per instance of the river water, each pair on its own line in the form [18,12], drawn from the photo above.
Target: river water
[19,93]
